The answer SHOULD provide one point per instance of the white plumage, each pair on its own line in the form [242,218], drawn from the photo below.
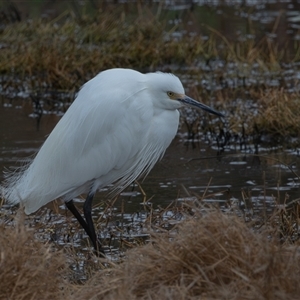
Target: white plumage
[117,128]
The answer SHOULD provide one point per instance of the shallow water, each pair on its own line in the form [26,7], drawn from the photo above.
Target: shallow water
[185,171]
[188,169]
[224,177]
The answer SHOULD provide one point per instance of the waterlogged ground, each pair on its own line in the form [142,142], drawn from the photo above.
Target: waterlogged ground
[251,177]
[210,159]
[190,166]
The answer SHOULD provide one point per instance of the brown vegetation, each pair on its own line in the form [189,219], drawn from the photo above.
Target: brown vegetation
[61,54]
[274,112]
[213,255]
[279,112]
[29,269]
[65,52]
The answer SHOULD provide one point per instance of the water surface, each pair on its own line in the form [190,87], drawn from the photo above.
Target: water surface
[187,169]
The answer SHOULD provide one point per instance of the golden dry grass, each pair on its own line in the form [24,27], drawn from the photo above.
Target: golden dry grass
[210,255]
[213,256]
[29,269]
[279,112]
[276,115]
[63,53]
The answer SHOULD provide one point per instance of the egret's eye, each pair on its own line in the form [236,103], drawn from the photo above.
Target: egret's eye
[171,95]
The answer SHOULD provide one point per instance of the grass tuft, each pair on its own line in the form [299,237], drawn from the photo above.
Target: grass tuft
[29,269]
[212,255]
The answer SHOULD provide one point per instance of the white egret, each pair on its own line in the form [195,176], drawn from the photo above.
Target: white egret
[117,128]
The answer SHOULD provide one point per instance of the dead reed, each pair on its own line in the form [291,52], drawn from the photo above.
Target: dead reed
[29,269]
[210,255]
[278,113]
[65,52]
[59,55]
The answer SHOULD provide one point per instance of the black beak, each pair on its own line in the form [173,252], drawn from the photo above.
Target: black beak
[191,102]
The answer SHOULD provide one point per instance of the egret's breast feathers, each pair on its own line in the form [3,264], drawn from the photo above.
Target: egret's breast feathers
[115,131]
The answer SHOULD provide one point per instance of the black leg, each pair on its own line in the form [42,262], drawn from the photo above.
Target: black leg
[88,225]
[87,210]
[70,205]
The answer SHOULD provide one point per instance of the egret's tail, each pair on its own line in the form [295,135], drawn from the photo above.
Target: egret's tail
[20,186]
[12,190]
[34,185]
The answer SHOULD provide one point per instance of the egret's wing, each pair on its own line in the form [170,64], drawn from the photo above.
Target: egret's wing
[112,132]
[99,133]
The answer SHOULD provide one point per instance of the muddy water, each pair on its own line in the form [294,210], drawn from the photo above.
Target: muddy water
[183,173]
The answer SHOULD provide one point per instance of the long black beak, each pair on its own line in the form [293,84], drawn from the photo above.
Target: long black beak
[191,102]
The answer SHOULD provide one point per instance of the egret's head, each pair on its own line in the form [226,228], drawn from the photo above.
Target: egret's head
[167,92]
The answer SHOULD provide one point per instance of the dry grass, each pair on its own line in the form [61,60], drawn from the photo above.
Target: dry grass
[210,254]
[65,52]
[278,112]
[29,269]
[275,112]
[42,56]
[213,256]
[263,112]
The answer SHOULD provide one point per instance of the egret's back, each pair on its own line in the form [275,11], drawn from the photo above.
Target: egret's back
[111,133]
